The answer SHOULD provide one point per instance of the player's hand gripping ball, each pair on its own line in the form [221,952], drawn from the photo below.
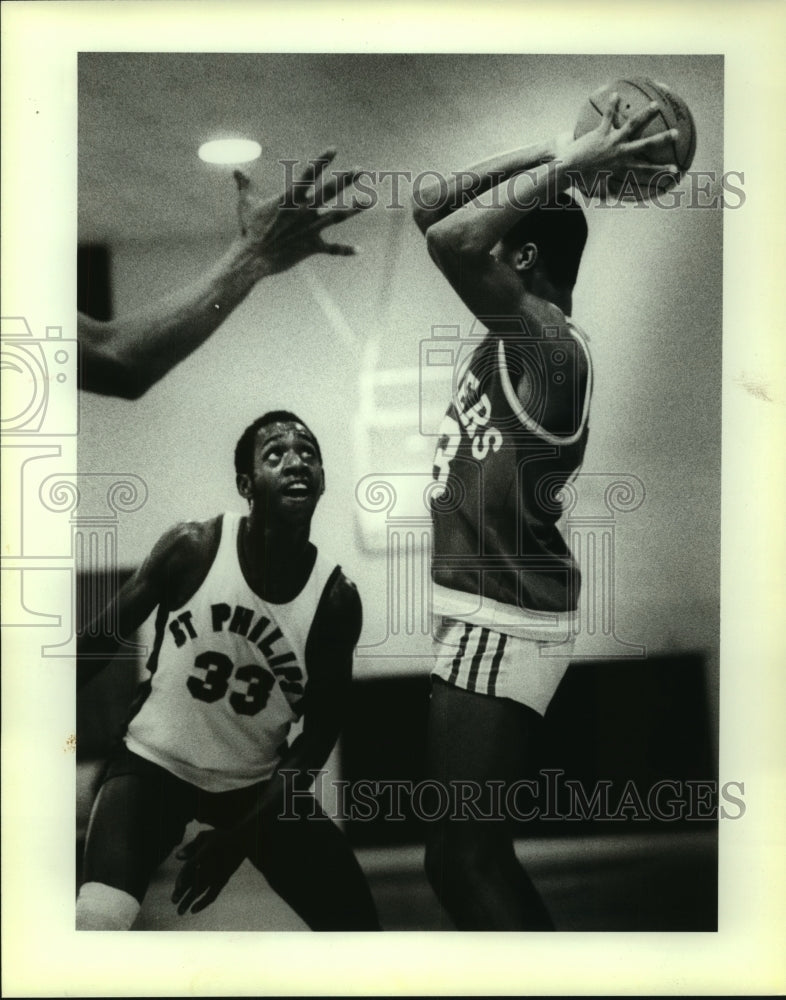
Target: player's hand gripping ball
[635,95]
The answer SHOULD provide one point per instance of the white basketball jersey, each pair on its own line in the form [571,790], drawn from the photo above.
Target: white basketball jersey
[229,671]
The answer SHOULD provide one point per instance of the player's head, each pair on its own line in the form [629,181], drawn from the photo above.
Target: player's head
[548,241]
[278,467]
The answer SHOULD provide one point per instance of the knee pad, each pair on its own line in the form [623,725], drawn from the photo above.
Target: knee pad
[100,907]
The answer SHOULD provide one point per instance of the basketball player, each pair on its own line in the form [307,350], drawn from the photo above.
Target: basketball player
[254,630]
[126,356]
[505,584]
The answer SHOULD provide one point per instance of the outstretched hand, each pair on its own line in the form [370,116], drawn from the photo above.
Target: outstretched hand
[211,859]
[286,229]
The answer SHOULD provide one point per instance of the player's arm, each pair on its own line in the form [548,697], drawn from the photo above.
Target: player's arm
[442,196]
[124,357]
[461,243]
[214,855]
[330,655]
[172,558]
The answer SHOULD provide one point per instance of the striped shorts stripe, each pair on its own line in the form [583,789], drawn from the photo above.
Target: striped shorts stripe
[478,659]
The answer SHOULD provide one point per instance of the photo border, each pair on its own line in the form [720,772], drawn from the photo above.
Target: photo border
[42,955]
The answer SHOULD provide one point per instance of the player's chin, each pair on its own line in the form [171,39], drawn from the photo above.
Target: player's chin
[297,508]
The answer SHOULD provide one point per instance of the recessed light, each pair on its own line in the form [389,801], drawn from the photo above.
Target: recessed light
[229,151]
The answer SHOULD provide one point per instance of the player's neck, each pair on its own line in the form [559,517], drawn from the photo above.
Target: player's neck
[274,540]
[545,289]
[276,559]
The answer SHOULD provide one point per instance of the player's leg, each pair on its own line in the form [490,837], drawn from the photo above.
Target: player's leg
[475,740]
[307,860]
[138,817]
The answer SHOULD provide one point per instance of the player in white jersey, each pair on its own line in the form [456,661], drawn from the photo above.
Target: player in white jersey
[505,584]
[255,629]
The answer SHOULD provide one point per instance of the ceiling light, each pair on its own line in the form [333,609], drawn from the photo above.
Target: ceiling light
[229,151]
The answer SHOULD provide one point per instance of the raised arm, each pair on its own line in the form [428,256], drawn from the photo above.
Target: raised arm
[213,856]
[126,356]
[438,199]
[461,243]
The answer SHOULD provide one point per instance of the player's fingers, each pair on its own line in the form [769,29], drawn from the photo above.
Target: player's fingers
[182,882]
[189,898]
[242,180]
[647,166]
[185,903]
[210,896]
[178,893]
[610,113]
[243,185]
[299,188]
[652,141]
[336,184]
[337,249]
[334,215]
[636,122]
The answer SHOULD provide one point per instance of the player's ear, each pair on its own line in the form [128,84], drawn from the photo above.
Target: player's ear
[526,257]
[322,483]
[243,483]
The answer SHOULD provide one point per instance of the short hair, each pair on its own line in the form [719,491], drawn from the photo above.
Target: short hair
[559,231]
[244,449]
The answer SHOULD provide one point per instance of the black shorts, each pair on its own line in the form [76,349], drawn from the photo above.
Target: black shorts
[141,814]
[218,809]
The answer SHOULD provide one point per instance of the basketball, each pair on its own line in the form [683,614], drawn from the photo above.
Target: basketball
[635,95]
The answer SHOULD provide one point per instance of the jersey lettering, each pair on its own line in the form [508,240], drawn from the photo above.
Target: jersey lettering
[213,684]
[185,618]
[220,613]
[447,446]
[177,632]
[271,643]
[240,623]
[473,409]
[254,698]
[490,440]
[241,620]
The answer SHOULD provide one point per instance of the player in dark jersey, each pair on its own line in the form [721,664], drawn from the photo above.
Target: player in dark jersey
[255,630]
[505,585]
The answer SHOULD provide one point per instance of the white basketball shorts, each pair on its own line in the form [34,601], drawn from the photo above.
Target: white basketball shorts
[476,658]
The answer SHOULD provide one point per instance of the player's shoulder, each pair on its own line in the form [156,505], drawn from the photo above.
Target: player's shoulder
[533,319]
[188,543]
[544,322]
[544,317]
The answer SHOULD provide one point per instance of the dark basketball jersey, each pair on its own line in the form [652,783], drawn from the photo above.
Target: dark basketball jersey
[499,556]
